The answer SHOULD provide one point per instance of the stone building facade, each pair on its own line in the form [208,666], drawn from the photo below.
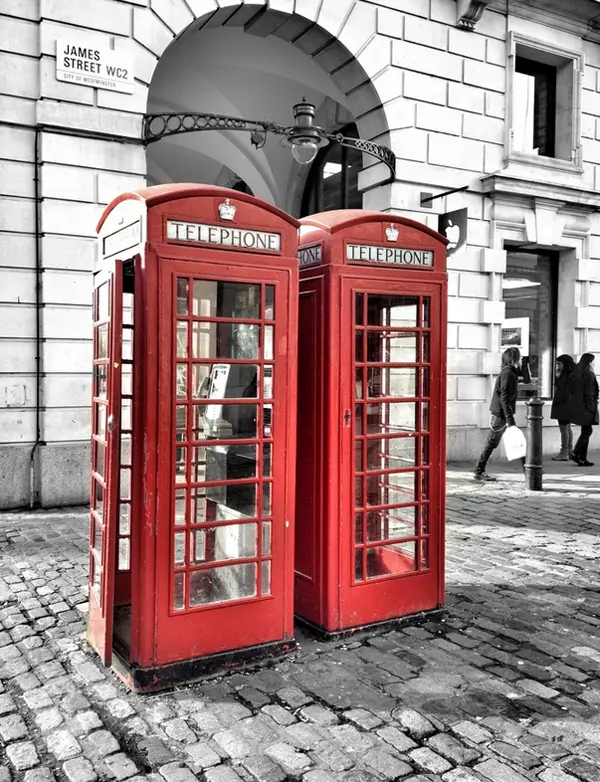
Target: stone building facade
[498,100]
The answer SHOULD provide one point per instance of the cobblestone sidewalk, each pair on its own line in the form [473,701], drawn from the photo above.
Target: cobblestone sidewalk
[505,687]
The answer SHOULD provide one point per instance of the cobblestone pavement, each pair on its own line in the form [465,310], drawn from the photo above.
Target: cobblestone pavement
[504,687]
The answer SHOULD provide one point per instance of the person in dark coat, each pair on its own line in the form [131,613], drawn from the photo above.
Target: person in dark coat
[502,407]
[586,408]
[563,405]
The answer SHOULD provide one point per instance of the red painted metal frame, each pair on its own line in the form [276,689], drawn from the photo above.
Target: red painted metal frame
[154,642]
[100,620]
[326,597]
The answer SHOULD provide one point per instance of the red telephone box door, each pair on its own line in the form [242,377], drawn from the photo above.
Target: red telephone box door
[224,572]
[391,406]
[104,497]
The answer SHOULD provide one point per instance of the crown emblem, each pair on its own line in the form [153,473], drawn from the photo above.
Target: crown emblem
[226,210]
[391,233]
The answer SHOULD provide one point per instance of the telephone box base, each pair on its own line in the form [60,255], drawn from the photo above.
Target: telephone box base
[389,624]
[165,677]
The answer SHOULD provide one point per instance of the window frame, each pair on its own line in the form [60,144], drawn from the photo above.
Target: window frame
[545,53]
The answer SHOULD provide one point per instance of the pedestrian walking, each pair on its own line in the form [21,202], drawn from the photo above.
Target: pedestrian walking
[563,405]
[502,407]
[586,407]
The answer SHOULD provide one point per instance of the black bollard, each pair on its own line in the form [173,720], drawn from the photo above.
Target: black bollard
[533,458]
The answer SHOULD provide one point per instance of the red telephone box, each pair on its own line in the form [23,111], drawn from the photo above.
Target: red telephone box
[193,439]
[371,440]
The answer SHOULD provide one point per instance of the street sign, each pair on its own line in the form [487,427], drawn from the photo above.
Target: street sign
[82,61]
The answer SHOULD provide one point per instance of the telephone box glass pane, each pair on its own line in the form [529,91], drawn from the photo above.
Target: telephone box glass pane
[224,463]
[359,355]
[126,414]
[425,351]
[393,558]
[392,381]
[358,384]
[97,534]
[99,498]
[358,312]
[391,417]
[426,313]
[358,419]
[225,502]
[102,337]
[395,348]
[220,584]
[425,376]
[424,554]
[181,465]
[268,332]
[358,528]
[424,519]
[224,381]
[391,453]
[178,597]
[269,302]
[392,489]
[181,381]
[425,416]
[358,492]
[266,502]
[226,300]
[225,422]
[182,295]
[182,339]
[127,345]
[126,379]
[102,313]
[267,461]
[124,519]
[181,422]
[101,420]
[266,538]
[179,549]
[399,311]
[125,487]
[228,541]
[358,565]
[391,523]
[100,372]
[267,389]
[265,586]
[124,554]
[225,340]
[180,502]
[425,450]
[99,457]
[358,453]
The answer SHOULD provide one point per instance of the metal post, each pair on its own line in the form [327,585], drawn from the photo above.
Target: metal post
[533,459]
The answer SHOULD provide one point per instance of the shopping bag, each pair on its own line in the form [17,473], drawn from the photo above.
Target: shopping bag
[514,443]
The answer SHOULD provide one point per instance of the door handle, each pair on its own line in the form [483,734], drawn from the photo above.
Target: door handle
[110,423]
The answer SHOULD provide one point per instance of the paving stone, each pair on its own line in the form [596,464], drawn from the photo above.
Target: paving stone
[385,764]
[427,760]
[319,714]
[79,770]
[351,739]
[48,719]
[155,752]
[498,772]
[222,774]
[7,704]
[397,739]
[417,726]
[556,775]
[100,743]
[62,744]
[471,731]
[12,728]
[582,769]
[461,775]
[293,697]
[84,722]
[530,685]
[179,730]
[177,772]
[279,714]
[22,755]
[290,759]
[253,697]
[232,744]
[452,749]
[303,736]
[263,769]
[119,709]
[203,755]
[333,757]
[514,754]
[318,776]
[39,775]
[120,766]
[363,718]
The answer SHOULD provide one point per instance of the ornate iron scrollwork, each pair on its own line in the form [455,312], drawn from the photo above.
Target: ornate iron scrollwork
[158,126]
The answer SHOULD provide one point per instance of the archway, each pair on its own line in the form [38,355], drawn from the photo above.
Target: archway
[254,62]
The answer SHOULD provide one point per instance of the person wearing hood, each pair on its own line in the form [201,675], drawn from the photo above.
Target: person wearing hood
[563,405]
[502,407]
[586,409]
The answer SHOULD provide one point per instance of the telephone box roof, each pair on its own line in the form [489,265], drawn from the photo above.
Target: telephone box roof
[158,194]
[340,219]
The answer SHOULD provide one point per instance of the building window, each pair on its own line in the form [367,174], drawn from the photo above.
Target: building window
[529,290]
[544,87]
[333,179]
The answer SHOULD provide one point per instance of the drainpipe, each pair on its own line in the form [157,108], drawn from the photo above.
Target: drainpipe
[34,499]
